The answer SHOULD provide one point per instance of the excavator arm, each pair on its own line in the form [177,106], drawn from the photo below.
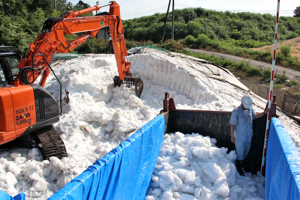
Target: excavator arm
[27,111]
[52,40]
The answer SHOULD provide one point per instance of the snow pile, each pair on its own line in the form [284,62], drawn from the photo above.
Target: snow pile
[192,167]
[292,128]
[190,87]
[99,117]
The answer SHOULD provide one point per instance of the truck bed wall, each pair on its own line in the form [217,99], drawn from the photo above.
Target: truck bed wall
[216,125]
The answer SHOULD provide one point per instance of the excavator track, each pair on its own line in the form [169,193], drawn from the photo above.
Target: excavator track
[46,139]
[50,143]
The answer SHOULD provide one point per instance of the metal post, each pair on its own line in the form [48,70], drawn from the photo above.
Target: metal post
[162,40]
[97,3]
[173,15]
[270,94]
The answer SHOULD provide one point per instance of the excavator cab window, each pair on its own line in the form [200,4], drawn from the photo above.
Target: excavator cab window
[8,68]
[2,71]
[9,60]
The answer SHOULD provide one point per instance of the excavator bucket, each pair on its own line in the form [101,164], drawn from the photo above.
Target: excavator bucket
[129,81]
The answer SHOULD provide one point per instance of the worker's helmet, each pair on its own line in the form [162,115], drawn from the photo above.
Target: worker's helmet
[247,101]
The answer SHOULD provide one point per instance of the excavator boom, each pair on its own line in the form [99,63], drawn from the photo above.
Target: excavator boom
[51,40]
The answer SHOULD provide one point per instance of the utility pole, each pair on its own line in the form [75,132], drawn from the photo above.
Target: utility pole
[97,3]
[162,40]
[173,15]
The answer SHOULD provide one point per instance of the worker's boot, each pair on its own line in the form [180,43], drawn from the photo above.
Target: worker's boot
[239,167]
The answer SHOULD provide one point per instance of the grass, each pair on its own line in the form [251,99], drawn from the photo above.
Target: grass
[235,47]
[244,70]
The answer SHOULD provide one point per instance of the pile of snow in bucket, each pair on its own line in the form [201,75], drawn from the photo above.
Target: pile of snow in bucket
[99,117]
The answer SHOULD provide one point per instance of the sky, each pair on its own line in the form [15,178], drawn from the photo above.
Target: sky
[136,8]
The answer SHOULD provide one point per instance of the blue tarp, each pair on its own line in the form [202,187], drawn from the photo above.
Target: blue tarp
[5,196]
[124,173]
[282,165]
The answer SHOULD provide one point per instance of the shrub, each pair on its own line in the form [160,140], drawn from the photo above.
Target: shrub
[280,57]
[291,35]
[286,50]
[216,45]
[266,73]
[281,78]
[242,66]
[236,35]
[189,40]
[253,71]
[171,45]
[202,41]
[291,83]
[193,28]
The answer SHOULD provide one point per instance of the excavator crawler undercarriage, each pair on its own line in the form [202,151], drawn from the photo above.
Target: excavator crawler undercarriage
[45,139]
[50,143]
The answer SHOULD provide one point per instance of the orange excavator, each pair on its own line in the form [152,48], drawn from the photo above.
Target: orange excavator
[27,110]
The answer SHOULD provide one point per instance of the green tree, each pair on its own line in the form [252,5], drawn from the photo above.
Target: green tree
[193,28]
[81,5]
[46,5]
[15,7]
[10,32]
[297,12]
[180,30]
[69,6]
[189,14]
[155,32]
[61,5]
[36,21]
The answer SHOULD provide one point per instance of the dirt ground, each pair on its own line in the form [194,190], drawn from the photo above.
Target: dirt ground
[294,43]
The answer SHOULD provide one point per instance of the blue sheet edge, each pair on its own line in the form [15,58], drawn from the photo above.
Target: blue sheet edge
[282,164]
[125,172]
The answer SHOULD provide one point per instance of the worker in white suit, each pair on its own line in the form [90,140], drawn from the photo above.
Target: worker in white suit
[241,128]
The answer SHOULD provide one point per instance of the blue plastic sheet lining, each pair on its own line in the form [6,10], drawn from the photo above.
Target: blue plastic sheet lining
[5,196]
[282,165]
[124,173]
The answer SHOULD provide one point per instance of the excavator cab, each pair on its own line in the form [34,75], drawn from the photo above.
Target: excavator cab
[9,61]
[27,112]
